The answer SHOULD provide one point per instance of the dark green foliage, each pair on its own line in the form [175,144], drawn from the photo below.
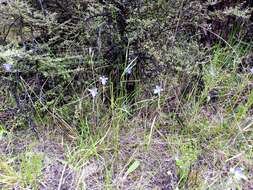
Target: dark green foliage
[64,46]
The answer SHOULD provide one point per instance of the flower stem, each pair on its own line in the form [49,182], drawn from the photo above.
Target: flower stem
[159,102]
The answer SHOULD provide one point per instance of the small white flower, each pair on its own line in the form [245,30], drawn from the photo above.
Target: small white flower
[7,67]
[251,70]
[129,70]
[238,173]
[93,92]
[103,80]
[158,90]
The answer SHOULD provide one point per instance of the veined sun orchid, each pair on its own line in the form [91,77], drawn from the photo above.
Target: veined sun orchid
[238,173]
[158,90]
[251,70]
[93,92]
[7,67]
[103,80]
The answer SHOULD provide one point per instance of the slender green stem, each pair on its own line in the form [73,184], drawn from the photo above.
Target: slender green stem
[159,102]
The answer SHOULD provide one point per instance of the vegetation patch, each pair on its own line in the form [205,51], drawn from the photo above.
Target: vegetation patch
[126,94]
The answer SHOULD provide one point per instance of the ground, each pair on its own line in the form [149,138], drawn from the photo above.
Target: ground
[54,162]
[157,168]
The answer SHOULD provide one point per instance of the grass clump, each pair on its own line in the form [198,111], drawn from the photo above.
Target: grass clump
[25,175]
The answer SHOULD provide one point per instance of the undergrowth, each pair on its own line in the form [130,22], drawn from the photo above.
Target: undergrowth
[206,126]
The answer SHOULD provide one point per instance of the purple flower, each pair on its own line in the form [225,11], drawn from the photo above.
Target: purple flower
[238,173]
[129,71]
[7,67]
[93,92]
[251,70]
[158,90]
[103,80]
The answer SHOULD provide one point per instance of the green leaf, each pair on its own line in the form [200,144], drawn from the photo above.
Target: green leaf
[133,167]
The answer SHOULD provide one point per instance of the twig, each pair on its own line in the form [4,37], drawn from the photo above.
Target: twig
[61,179]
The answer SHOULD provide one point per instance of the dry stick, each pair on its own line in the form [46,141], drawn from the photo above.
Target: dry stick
[61,179]
[9,29]
[234,157]
[249,125]
[151,130]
